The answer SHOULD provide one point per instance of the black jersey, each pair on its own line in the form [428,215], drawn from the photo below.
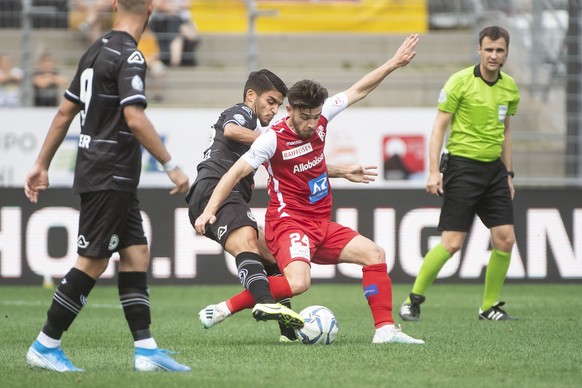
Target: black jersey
[223,153]
[110,76]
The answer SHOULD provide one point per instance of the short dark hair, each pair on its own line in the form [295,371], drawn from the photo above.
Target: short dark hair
[134,6]
[264,80]
[494,33]
[307,94]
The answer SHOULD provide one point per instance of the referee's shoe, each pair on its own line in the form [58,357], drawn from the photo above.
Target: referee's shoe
[495,313]
[411,311]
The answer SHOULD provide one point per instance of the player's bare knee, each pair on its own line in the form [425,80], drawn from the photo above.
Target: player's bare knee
[503,240]
[244,243]
[508,244]
[505,245]
[453,246]
[375,254]
[299,285]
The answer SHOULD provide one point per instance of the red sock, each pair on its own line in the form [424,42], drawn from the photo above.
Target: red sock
[378,291]
[244,300]
[280,287]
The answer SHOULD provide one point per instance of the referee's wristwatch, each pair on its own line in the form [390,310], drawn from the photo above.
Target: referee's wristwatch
[511,174]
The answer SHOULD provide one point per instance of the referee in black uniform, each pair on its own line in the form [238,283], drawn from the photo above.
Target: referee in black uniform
[108,91]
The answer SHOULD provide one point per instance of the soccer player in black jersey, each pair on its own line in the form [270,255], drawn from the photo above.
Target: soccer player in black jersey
[108,92]
[236,228]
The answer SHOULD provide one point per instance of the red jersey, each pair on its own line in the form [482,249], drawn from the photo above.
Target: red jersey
[298,182]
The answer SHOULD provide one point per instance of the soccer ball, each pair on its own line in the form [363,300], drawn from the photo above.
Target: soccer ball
[320,326]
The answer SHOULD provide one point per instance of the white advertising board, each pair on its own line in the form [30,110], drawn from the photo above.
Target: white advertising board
[395,140]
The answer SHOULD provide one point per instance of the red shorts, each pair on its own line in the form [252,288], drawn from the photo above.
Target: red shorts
[312,241]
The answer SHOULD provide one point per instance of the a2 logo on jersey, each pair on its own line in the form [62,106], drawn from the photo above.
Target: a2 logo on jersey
[319,188]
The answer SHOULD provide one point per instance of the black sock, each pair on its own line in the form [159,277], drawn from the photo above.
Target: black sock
[285,330]
[272,270]
[68,300]
[135,300]
[253,276]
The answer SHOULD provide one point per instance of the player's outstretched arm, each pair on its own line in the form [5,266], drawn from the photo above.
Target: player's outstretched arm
[238,171]
[145,133]
[370,81]
[37,178]
[357,173]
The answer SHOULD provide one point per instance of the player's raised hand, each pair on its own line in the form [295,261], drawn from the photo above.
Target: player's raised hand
[359,173]
[406,52]
[36,181]
[180,179]
[202,220]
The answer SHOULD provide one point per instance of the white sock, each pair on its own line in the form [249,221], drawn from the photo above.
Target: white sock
[148,343]
[224,307]
[47,341]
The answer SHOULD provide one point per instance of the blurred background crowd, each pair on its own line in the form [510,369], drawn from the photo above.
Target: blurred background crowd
[200,51]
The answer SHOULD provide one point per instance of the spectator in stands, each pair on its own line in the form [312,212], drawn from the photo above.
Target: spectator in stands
[10,79]
[176,31]
[97,16]
[10,11]
[149,47]
[48,82]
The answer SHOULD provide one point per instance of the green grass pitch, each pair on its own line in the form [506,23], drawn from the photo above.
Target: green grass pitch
[542,349]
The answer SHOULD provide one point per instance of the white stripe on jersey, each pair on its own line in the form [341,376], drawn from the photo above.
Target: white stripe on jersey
[105,141]
[112,50]
[132,98]
[122,178]
[280,198]
[74,96]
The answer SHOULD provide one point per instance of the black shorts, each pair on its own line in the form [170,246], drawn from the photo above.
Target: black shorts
[109,221]
[232,214]
[472,187]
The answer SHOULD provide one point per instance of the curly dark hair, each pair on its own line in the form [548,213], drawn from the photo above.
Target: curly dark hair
[307,94]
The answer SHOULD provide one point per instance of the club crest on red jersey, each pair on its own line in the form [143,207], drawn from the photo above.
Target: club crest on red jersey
[320,132]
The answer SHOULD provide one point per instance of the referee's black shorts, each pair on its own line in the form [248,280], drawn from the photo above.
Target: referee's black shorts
[473,187]
[232,214]
[109,221]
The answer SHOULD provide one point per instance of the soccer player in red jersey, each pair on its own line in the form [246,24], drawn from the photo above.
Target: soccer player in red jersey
[298,226]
